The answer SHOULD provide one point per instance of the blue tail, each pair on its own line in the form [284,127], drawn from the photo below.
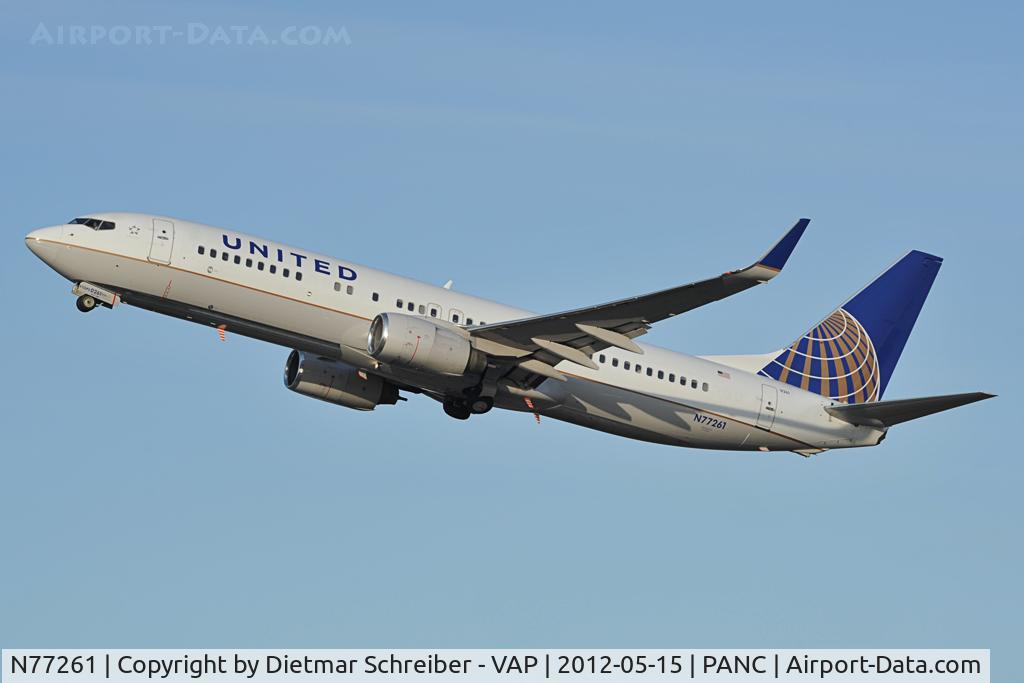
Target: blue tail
[851,355]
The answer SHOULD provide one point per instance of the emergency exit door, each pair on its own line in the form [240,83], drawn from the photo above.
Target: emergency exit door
[769,406]
[163,241]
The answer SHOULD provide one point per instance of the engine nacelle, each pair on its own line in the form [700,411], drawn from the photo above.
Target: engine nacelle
[336,382]
[419,343]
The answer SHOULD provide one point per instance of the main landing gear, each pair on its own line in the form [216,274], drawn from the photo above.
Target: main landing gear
[85,303]
[457,409]
[461,409]
[481,404]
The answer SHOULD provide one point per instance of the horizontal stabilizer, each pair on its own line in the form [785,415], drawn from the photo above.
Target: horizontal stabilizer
[889,413]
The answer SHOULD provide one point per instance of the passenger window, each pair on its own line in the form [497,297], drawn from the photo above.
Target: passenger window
[672,377]
[650,372]
[601,358]
[248,263]
[704,387]
[682,380]
[398,303]
[259,265]
[337,286]
[202,250]
[469,321]
[433,312]
[225,256]
[455,318]
[615,362]
[298,274]
[693,384]
[238,260]
[350,289]
[273,269]
[410,307]
[213,253]
[284,272]
[422,310]
[626,365]
[376,296]
[638,368]
[661,374]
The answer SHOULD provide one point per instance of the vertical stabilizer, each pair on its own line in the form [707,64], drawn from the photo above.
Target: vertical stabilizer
[851,355]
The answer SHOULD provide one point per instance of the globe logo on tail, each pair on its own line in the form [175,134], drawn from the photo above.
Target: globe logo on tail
[835,359]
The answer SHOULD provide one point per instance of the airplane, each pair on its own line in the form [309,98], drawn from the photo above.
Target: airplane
[361,337]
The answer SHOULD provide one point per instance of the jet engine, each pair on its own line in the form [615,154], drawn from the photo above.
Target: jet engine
[336,382]
[422,344]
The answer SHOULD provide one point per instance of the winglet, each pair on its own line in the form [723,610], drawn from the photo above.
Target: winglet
[778,255]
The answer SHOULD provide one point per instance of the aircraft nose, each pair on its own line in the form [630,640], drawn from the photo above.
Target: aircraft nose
[43,242]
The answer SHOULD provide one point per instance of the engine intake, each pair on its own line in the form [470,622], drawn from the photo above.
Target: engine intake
[336,382]
[422,344]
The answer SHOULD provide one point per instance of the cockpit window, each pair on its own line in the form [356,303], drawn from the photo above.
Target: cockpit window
[94,223]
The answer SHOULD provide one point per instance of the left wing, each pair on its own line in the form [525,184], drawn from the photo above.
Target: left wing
[540,342]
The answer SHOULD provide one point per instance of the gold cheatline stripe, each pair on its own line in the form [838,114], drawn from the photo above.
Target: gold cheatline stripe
[685,405]
[353,315]
[208,277]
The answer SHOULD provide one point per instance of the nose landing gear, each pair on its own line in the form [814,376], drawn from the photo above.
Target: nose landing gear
[85,303]
[90,296]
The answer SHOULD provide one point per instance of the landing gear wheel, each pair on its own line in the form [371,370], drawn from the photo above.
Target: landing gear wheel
[481,405]
[457,409]
[85,303]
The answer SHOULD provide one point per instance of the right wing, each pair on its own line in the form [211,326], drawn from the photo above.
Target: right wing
[540,342]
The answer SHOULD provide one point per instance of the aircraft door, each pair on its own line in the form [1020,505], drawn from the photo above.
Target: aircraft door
[769,406]
[163,241]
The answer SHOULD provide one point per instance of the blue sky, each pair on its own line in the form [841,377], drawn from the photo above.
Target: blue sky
[163,489]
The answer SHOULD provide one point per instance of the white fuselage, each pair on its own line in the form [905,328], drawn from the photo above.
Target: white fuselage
[718,406]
